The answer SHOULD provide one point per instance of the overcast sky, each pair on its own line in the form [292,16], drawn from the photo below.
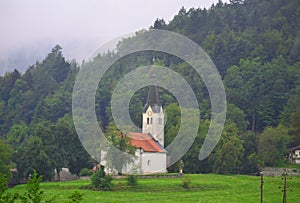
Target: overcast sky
[79,26]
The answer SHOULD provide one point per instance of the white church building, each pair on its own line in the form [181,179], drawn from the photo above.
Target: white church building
[151,156]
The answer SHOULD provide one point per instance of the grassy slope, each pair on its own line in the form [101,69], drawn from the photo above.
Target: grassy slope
[206,188]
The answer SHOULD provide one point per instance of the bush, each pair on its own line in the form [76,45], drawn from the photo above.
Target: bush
[101,181]
[34,193]
[96,178]
[186,183]
[4,197]
[132,180]
[3,183]
[76,197]
[86,172]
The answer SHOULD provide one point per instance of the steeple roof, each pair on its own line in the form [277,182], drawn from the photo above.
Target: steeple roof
[153,98]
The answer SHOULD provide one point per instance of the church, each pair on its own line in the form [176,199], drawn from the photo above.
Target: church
[151,156]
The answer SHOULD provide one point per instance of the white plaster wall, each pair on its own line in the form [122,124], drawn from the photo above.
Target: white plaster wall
[146,163]
[135,166]
[157,162]
[155,128]
[297,153]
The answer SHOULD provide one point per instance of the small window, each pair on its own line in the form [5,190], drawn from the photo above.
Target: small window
[148,120]
[151,121]
[148,162]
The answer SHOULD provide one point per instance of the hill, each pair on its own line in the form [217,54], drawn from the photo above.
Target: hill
[255,46]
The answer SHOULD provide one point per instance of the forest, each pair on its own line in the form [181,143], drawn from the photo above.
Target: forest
[255,45]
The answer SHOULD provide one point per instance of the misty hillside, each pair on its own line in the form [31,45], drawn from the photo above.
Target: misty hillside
[255,45]
[21,58]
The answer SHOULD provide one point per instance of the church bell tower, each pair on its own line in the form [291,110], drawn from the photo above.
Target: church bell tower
[153,116]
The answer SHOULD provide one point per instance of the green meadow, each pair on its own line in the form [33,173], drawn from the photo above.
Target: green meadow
[204,188]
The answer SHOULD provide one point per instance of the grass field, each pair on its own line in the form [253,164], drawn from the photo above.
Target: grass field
[205,188]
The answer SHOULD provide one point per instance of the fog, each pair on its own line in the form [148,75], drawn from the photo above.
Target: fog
[30,28]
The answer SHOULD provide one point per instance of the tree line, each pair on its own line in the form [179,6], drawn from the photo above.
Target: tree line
[255,46]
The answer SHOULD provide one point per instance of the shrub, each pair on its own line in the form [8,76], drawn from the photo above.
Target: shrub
[186,183]
[86,172]
[6,197]
[132,180]
[96,178]
[3,183]
[101,181]
[76,197]
[34,193]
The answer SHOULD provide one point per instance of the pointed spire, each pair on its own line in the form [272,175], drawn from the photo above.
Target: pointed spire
[153,98]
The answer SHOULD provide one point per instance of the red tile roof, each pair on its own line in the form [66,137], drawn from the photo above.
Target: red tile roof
[144,141]
[295,148]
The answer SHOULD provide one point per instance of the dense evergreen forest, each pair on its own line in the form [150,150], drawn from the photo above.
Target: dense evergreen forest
[255,45]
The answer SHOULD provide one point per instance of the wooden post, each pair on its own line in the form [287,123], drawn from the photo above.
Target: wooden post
[261,186]
[284,188]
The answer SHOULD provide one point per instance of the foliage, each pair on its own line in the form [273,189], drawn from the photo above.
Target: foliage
[34,193]
[5,155]
[297,126]
[49,148]
[101,181]
[76,197]
[17,134]
[5,196]
[116,160]
[246,90]
[74,156]
[86,172]
[3,183]
[257,54]
[237,116]
[32,156]
[172,113]
[227,157]
[11,198]
[191,163]
[186,182]
[132,180]
[272,145]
